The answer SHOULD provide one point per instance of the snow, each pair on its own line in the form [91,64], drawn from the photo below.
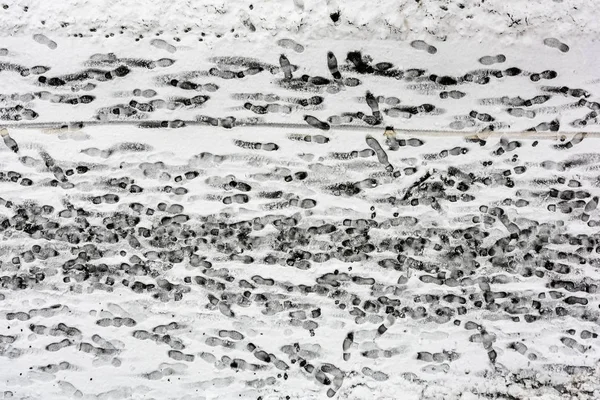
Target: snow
[185,40]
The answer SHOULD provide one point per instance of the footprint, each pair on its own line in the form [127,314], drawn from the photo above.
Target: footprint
[373,105]
[286,67]
[42,39]
[255,108]
[164,62]
[453,94]
[332,64]
[221,74]
[481,116]
[277,108]
[533,101]
[392,101]
[269,147]
[210,87]
[513,71]
[543,75]
[338,120]
[162,45]
[351,82]
[566,91]
[227,122]
[422,45]
[148,93]
[489,60]
[38,70]
[548,74]
[398,113]
[316,80]
[444,80]
[290,44]
[311,101]
[462,124]
[552,126]
[383,66]
[316,123]
[557,44]
[519,112]
[456,94]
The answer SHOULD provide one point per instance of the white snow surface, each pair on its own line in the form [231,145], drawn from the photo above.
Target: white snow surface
[489,21]
[544,181]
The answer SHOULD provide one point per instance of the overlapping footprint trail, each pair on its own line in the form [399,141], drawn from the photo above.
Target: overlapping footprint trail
[287,82]
[338,263]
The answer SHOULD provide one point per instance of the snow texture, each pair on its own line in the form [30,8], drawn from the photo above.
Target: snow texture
[299,200]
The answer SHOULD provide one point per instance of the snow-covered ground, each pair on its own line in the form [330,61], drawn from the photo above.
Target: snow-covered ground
[489,21]
[467,253]
[462,86]
[201,200]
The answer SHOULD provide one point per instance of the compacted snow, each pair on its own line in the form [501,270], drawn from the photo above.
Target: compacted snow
[299,199]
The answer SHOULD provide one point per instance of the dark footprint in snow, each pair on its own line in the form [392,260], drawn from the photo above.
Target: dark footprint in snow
[373,105]
[557,44]
[360,64]
[481,116]
[548,74]
[316,123]
[443,80]
[332,64]
[535,100]
[286,67]
[513,71]
[255,108]
[552,126]
[453,94]
[422,45]
[351,82]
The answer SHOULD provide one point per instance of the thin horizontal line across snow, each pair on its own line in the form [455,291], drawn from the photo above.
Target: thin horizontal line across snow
[366,129]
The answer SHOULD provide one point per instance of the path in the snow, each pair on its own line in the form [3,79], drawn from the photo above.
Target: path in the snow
[263,263]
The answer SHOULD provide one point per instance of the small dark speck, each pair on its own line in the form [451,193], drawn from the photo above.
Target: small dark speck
[335,17]
[251,7]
